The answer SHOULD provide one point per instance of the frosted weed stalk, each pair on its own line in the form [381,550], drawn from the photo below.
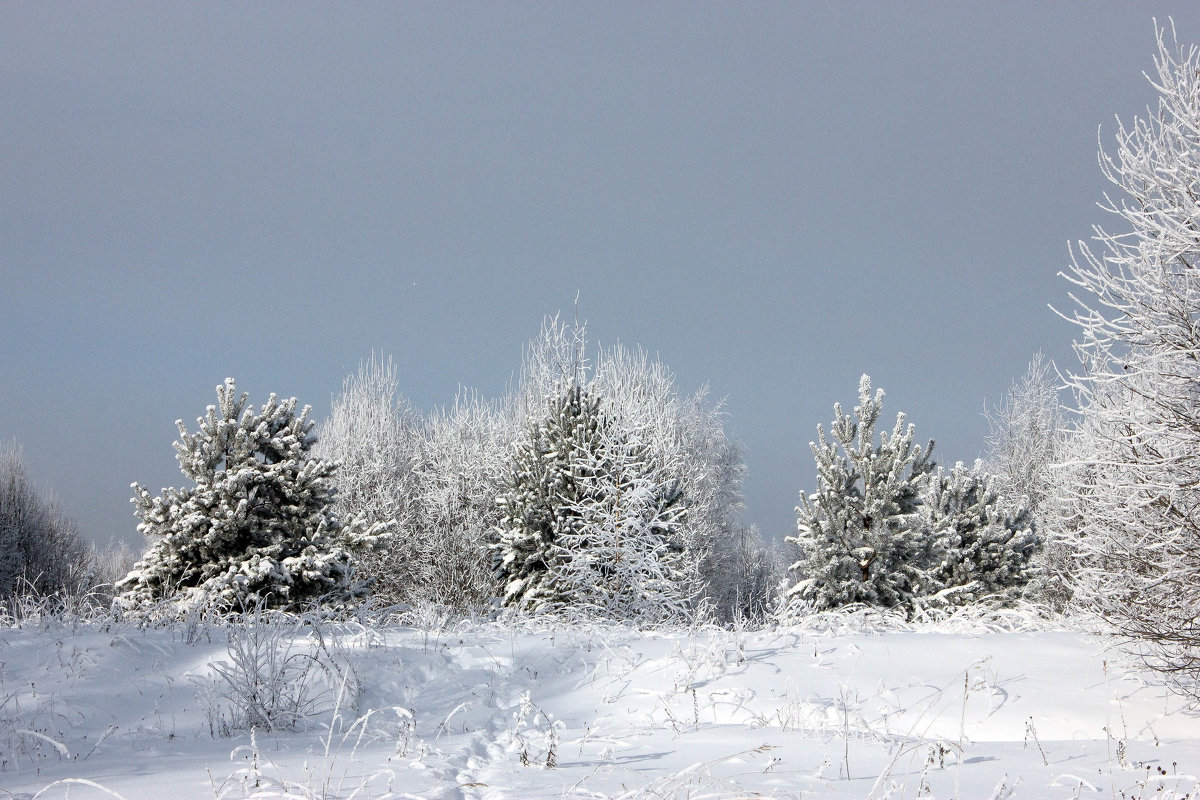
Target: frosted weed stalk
[342,742]
[34,723]
[337,771]
[274,680]
[916,740]
[536,734]
[32,735]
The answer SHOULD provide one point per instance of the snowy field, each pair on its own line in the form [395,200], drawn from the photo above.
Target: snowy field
[841,707]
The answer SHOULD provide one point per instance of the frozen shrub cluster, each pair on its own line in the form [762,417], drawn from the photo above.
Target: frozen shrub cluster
[278,673]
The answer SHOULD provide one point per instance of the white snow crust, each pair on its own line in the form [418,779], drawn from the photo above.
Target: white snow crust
[834,708]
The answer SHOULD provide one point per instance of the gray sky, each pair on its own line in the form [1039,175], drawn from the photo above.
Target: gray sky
[773,198]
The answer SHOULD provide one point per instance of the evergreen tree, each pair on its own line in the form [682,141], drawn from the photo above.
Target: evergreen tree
[860,536]
[588,524]
[257,526]
[686,444]
[542,500]
[625,560]
[983,544]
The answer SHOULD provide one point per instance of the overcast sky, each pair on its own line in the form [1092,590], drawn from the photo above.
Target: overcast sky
[774,198]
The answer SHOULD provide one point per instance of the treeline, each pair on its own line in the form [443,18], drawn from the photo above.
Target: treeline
[595,488]
[42,551]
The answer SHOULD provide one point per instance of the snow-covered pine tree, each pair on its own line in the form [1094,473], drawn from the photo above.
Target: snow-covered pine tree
[983,544]
[686,442]
[860,536]
[257,526]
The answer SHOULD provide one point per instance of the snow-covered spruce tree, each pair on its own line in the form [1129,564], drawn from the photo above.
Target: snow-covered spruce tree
[538,503]
[375,438]
[1138,498]
[41,549]
[586,526]
[686,442]
[257,527]
[625,560]
[861,536]
[983,545]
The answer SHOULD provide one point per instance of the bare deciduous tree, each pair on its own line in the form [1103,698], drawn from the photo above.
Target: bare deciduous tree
[41,550]
[1136,500]
[1026,436]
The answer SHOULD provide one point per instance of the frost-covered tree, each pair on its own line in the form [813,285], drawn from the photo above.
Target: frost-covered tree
[861,535]
[41,549]
[1026,436]
[588,524]
[754,586]
[685,439]
[257,526]
[1137,501]
[435,479]
[625,559]
[375,438]
[465,456]
[983,544]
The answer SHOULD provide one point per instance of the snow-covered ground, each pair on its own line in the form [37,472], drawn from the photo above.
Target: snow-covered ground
[839,708]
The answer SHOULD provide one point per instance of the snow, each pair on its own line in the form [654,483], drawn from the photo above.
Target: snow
[839,707]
